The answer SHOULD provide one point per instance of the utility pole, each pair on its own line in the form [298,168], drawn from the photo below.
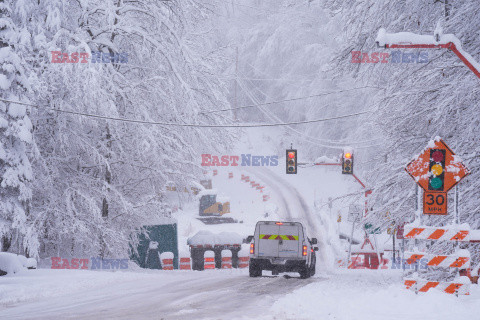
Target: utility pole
[447,10]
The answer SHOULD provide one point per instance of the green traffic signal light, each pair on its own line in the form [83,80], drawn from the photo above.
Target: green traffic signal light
[436,183]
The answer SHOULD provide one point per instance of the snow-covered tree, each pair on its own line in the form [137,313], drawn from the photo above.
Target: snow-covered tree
[98,180]
[419,101]
[16,227]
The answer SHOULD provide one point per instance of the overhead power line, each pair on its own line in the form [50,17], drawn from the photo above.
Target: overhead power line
[287,100]
[175,124]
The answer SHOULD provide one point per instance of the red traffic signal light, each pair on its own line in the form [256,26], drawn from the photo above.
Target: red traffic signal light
[436,175]
[291,161]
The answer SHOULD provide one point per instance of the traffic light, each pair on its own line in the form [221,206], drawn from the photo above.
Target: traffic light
[347,162]
[436,177]
[291,161]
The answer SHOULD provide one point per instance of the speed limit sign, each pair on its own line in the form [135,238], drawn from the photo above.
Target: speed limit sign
[435,203]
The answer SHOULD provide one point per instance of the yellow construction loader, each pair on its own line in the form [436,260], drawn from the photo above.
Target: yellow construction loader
[211,209]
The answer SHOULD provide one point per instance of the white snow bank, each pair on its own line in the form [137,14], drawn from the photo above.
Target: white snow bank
[11,263]
[372,295]
[47,283]
[244,251]
[31,263]
[22,259]
[204,237]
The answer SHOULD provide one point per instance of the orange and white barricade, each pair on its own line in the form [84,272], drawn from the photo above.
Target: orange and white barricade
[461,259]
[215,172]
[247,179]
[459,287]
[242,177]
[167,260]
[435,233]
[184,261]
[357,262]
[209,260]
[243,258]
[226,259]
[266,197]
[230,175]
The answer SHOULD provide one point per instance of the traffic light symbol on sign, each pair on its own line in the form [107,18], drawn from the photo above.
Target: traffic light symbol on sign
[436,177]
[291,161]
[347,163]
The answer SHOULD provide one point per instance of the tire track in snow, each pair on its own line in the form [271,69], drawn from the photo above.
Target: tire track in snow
[286,191]
[273,186]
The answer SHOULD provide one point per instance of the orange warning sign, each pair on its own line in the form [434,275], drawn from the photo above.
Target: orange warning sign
[437,168]
[435,203]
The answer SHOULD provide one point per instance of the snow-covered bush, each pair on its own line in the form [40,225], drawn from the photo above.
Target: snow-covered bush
[11,263]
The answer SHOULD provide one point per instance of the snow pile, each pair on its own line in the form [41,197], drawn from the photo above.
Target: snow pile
[166,255]
[207,192]
[244,251]
[365,294]
[12,263]
[204,237]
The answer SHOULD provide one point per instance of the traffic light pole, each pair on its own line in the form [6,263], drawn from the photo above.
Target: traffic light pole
[449,41]
[359,181]
[457,217]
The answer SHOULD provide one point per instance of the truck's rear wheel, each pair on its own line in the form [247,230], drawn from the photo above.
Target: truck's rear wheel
[304,272]
[254,270]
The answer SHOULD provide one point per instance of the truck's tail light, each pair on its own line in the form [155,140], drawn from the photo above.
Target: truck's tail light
[304,250]
[252,248]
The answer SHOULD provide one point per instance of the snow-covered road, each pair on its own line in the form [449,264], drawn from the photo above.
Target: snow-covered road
[213,294]
[224,294]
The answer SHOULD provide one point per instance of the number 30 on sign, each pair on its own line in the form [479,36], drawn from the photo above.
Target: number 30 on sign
[435,203]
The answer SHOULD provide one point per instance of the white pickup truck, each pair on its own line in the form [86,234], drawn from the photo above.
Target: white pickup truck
[281,247]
